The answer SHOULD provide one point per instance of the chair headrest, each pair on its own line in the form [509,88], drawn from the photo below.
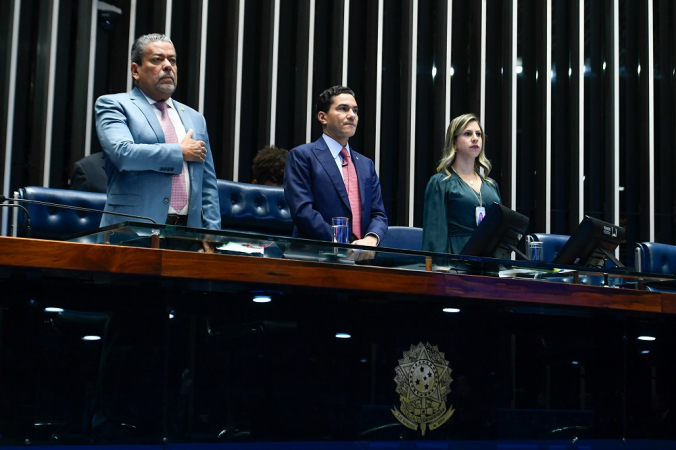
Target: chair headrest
[52,222]
[254,207]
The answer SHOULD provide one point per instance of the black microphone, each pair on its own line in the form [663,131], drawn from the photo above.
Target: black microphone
[77,208]
[28,216]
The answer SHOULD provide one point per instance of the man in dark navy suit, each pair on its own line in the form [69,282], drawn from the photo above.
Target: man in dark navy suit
[317,175]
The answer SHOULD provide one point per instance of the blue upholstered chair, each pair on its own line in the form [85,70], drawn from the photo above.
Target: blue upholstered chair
[406,238]
[402,238]
[652,257]
[244,207]
[57,223]
[254,207]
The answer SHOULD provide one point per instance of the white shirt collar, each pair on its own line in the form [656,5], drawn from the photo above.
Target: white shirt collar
[169,102]
[334,146]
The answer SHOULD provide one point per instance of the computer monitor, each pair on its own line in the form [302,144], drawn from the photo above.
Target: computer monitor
[498,234]
[591,245]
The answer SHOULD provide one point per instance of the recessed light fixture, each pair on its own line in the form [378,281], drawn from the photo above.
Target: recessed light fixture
[343,335]
[575,363]
[259,298]
[91,338]
[646,338]
[451,310]
[52,309]
[645,352]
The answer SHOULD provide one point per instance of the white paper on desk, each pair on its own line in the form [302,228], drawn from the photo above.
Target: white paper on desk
[249,249]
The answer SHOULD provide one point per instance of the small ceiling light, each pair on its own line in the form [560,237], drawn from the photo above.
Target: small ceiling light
[52,309]
[91,338]
[645,352]
[262,299]
[646,338]
[575,363]
[343,335]
[451,310]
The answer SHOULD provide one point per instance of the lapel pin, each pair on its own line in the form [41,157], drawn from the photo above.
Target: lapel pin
[182,109]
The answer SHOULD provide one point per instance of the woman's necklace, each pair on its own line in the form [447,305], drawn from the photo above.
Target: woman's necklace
[470,182]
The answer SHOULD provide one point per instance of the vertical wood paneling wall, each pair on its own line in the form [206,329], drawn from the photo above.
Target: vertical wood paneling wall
[577,98]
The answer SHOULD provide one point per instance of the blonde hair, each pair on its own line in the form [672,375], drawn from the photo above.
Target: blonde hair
[482,165]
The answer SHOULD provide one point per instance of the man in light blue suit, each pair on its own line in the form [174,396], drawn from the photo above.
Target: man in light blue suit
[148,138]
[316,174]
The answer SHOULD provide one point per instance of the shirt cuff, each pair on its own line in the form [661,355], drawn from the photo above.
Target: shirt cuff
[371,233]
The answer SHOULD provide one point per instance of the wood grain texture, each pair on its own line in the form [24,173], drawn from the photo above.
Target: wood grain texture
[45,254]
[97,258]
[374,279]
[668,303]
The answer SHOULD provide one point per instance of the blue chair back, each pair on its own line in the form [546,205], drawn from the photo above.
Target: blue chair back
[48,222]
[254,207]
[551,244]
[405,238]
[244,207]
[652,257]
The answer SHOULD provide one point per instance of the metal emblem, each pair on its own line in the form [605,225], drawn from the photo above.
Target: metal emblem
[423,381]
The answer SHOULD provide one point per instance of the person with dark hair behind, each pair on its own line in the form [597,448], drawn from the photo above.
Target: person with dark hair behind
[327,178]
[89,174]
[268,166]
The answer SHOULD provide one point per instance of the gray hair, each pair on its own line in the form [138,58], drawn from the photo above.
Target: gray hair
[140,44]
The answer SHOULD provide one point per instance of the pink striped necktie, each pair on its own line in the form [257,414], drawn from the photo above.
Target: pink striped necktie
[179,194]
[352,186]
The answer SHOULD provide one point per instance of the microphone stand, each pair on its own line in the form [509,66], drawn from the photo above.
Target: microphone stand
[3,199]
[77,208]
[28,216]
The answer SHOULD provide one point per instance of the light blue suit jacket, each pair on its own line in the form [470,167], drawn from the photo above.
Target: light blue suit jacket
[315,192]
[139,163]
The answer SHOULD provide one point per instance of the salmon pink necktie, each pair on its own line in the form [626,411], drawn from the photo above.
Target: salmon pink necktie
[179,194]
[352,186]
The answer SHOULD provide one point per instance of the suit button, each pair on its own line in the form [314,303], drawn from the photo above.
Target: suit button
[166,200]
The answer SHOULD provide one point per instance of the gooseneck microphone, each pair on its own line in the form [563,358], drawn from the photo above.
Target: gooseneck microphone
[28,216]
[77,208]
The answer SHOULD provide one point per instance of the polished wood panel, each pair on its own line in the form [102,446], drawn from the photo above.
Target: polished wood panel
[76,258]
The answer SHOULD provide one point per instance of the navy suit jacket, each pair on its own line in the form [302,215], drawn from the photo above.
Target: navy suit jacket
[139,163]
[315,192]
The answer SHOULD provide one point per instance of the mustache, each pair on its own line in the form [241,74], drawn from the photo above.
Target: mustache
[167,75]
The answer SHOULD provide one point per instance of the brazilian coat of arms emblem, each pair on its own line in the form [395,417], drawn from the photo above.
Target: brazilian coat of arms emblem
[423,381]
